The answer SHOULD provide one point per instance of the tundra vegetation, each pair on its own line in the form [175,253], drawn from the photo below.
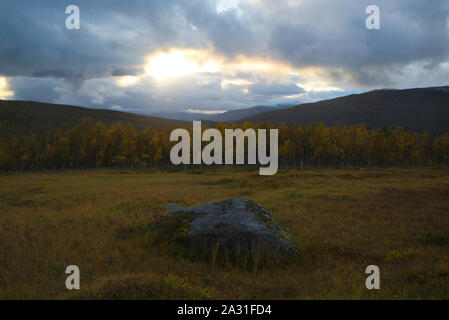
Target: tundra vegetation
[342,220]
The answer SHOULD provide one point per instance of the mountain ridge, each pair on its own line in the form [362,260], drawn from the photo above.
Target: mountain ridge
[230,115]
[18,118]
[416,109]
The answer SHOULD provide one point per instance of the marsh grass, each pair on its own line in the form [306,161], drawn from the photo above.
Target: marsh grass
[343,221]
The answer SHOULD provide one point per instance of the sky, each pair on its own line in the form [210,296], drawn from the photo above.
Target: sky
[214,55]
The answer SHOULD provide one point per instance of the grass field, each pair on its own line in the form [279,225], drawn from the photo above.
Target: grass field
[343,220]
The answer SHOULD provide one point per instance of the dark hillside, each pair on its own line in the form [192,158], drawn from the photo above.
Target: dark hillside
[18,118]
[420,110]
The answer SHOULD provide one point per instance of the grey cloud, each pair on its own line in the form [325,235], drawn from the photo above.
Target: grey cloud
[126,72]
[116,36]
[411,31]
[35,89]
[113,36]
[276,89]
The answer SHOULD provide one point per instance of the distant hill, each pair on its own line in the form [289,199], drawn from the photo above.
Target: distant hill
[234,115]
[24,117]
[420,109]
[231,115]
[181,116]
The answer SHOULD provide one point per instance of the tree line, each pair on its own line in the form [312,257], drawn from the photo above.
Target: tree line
[94,145]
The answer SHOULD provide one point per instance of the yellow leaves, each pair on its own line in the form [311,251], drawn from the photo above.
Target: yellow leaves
[91,145]
[400,255]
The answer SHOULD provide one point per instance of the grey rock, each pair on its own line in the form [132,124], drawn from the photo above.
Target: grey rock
[239,226]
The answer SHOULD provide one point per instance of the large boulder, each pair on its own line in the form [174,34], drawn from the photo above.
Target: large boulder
[237,226]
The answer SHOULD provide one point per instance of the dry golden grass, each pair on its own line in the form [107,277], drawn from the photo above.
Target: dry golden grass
[343,220]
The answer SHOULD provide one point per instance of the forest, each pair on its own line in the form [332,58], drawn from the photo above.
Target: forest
[92,144]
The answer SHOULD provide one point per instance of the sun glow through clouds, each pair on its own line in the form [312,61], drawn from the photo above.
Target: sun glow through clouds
[226,83]
[178,63]
[4,90]
[206,111]
[185,62]
[127,81]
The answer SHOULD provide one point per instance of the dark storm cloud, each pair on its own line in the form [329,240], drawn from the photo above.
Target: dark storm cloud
[335,37]
[34,41]
[114,38]
[35,89]
[116,35]
[126,72]
[229,33]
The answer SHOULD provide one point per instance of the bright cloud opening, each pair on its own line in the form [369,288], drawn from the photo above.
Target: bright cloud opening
[206,111]
[178,63]
[314,80]
[235,82]
[186,62]
[127,81]
[236,76]
[4,89]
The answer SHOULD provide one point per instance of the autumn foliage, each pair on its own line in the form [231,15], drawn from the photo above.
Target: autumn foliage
[94,145]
